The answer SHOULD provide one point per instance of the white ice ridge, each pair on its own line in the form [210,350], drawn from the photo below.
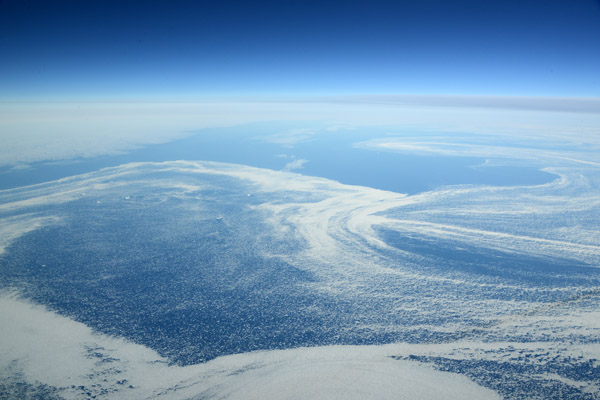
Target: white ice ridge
[44,348]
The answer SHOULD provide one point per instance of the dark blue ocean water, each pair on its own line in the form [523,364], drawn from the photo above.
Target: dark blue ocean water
[330,155]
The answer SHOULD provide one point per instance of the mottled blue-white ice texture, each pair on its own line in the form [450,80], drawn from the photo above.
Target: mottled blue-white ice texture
[463,257]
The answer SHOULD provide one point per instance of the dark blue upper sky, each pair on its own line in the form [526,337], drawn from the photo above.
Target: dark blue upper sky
[126,49]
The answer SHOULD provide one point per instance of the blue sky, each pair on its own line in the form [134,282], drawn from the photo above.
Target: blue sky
[187,49]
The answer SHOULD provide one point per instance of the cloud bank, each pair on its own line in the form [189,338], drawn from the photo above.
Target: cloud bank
[33,132]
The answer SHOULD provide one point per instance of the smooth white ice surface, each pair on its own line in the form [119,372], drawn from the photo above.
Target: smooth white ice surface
[54,350]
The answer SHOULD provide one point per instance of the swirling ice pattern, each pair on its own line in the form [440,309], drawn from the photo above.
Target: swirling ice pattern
[466,274]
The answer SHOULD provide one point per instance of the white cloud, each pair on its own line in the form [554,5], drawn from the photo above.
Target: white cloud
[56,351]
[294,165]
[56,131]
[291,137]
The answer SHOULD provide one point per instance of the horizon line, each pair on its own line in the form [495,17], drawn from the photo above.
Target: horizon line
[585,104]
